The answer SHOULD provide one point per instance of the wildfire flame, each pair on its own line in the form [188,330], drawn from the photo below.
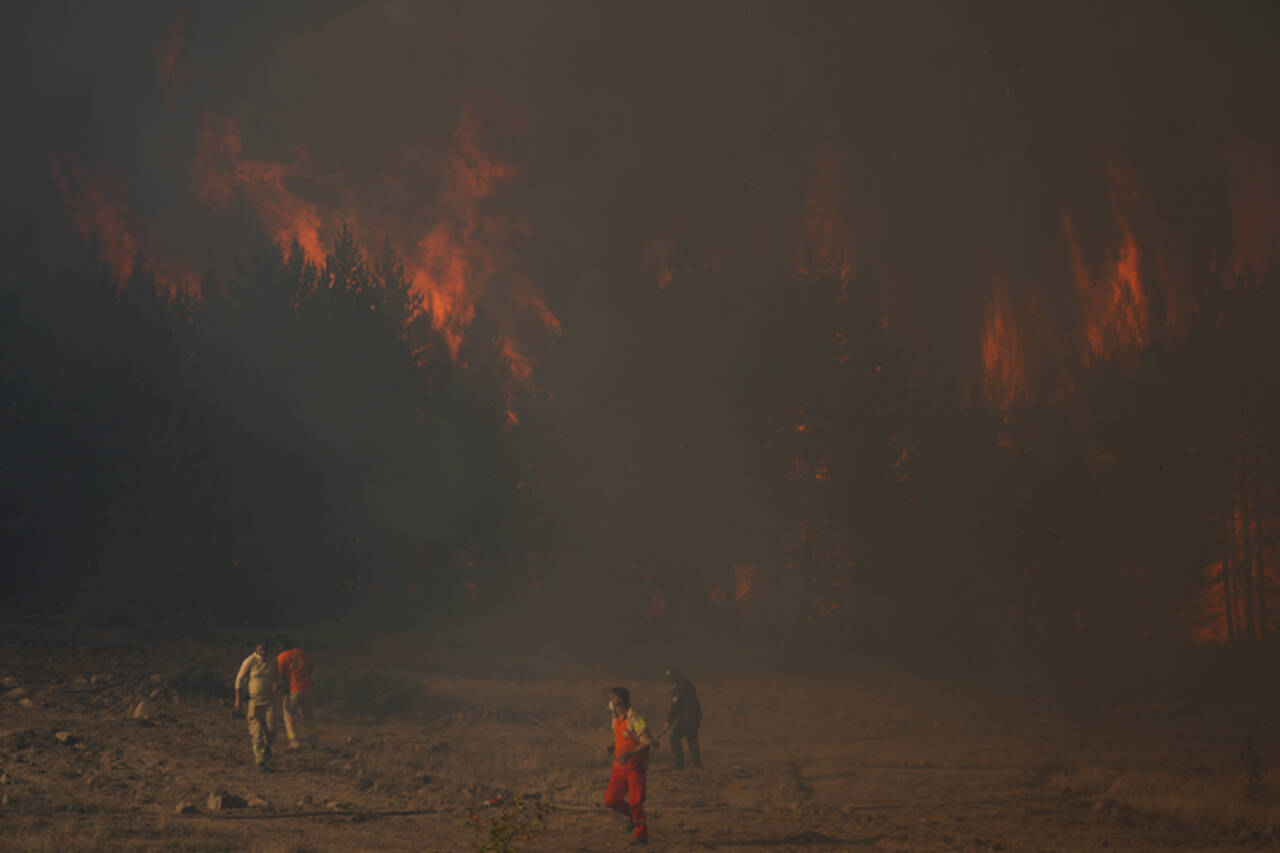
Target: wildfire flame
[1003,356]
[98,209]
[1113,302]
[223,174]
[465,250]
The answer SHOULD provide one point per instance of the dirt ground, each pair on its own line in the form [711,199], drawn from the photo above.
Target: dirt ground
[791,763]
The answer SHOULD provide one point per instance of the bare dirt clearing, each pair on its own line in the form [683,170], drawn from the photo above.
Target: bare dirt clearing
[792,763]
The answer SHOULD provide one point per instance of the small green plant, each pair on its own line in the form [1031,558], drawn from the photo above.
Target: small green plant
[505,828]
[1253,784]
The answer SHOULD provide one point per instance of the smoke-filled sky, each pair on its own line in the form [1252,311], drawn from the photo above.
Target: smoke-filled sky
[1024,185]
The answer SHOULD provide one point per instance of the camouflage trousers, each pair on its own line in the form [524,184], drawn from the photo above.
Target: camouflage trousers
[261,714]
[300,717]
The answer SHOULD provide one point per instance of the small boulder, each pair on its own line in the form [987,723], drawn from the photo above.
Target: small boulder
[220,800]
[26,703]
[16,692]
[256,801]
[145,710]
[186,808]
[66,738]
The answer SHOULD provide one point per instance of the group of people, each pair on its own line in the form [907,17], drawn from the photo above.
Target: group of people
[283,681]
[632,744]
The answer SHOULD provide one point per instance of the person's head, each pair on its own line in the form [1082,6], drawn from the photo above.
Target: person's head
[261,646]
[673,675]
[619,700]
[285,642]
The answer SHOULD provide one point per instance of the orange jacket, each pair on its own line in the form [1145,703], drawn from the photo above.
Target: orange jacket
[630,733]
[295,669]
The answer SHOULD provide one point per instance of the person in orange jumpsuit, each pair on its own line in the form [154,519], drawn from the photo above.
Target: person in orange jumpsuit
[630,749]
[299,703]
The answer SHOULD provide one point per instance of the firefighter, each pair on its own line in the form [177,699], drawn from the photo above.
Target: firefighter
[684,717]
[630,750]
[258,674]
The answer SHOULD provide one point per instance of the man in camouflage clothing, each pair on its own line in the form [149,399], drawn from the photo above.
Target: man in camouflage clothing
[258,674]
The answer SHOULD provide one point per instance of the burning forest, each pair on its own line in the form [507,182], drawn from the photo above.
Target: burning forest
[935,337]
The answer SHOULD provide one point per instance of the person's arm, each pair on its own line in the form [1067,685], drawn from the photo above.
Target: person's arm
[673,713]
[240,677]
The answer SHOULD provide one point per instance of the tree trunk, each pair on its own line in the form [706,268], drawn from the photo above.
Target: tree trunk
[1240,521]
[1228,566]
[1252,527]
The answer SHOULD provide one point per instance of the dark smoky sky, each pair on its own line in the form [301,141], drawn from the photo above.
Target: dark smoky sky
[963,131]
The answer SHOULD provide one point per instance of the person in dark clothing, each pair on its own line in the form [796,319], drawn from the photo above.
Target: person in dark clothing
[684,716]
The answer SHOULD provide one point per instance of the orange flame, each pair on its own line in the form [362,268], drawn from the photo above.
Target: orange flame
[1114,303]
[1003,357]
[657,258]
[97,207]
[521,369]
[222,174]
[457,258]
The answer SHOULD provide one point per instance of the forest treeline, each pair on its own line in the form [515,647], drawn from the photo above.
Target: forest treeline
[295,442]
[299,443]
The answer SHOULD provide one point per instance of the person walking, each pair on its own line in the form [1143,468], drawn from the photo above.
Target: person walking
[258,675]
[299,701]
[684,717]
[630,750]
